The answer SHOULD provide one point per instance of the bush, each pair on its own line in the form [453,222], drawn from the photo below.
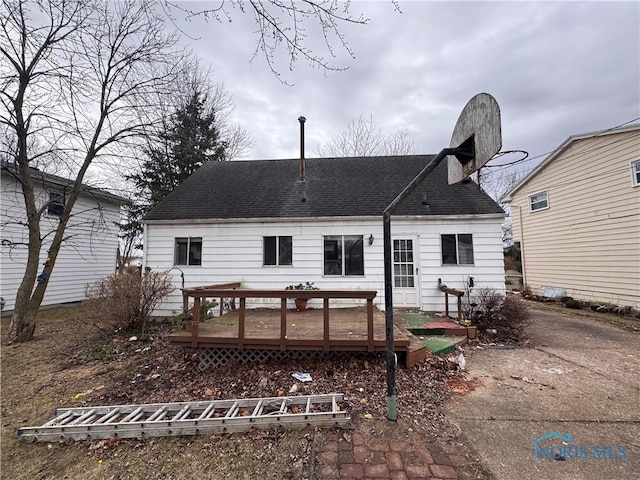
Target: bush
[125,302]
[207,308]
[489,309]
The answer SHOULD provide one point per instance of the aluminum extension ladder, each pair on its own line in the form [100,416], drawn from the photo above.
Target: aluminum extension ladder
[190,418]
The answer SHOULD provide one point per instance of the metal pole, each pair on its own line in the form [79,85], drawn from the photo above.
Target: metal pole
[392,413]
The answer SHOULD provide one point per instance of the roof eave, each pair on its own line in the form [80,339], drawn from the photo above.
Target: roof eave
[206,221]
[563,146]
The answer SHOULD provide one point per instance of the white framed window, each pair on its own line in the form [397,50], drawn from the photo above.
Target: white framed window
[187,251]
[635,173]
[56,204]
[539,201]
[457,249]
[277,250]
[343,255]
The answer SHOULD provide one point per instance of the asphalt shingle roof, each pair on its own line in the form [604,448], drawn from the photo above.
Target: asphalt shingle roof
[358,186]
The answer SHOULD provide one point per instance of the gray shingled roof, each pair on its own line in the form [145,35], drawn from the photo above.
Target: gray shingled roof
[64,183]
[359,186]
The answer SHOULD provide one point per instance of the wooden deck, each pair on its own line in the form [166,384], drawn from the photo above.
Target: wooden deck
[348,331]
[322,329]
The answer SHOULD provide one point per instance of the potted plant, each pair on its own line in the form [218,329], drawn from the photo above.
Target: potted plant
[472,330]
[301,302]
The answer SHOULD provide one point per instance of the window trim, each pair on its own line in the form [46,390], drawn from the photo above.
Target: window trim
[343,257]
[187,262]
[277,252]
[457,245]
[546,207]
[635,173]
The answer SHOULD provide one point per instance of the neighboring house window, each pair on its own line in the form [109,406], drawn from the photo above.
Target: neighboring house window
[343,255]
[56,204]
[188,251]
[635,173]
[457,249]
[539,201]
[276,250]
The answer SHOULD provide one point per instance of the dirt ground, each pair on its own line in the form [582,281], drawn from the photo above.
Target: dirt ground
[71,363]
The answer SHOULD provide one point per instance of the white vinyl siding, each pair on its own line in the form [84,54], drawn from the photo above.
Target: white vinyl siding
[233,252]
[588,242]
[88,254]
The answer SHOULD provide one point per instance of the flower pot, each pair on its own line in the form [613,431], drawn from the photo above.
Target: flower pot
[301,304]
[472,332]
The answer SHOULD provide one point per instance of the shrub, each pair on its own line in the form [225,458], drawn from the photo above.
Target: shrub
[490,309]
[125,302]
[206,311]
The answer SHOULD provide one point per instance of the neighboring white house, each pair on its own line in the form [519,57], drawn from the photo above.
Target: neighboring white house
[261,223]
[88,254]
[577,218]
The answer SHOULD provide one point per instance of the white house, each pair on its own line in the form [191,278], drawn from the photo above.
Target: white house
[263,224]
[88,254]
[576,217]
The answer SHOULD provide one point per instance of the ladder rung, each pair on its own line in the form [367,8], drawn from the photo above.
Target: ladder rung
[233,411]
[258,410]
[84,418]
[59,419]
[158,414]
[108,417]
[182,413]
[132,415]
[308,409]
[207,412]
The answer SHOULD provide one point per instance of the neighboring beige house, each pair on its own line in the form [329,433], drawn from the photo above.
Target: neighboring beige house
[577,218]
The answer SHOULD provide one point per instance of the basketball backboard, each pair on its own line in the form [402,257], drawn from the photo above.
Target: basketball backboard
[478,127]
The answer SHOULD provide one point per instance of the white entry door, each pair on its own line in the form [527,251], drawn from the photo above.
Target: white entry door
[405,282]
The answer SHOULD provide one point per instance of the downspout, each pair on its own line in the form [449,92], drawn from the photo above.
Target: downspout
[522,262]
[144,250]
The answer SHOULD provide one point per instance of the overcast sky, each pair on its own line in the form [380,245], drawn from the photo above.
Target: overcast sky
[555,68]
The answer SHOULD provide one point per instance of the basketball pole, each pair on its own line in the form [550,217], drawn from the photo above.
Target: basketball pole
[466,150]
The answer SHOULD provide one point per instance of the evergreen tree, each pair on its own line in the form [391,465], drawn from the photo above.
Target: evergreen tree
[190,137]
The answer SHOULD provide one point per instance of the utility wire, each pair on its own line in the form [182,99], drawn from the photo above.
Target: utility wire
[528,159]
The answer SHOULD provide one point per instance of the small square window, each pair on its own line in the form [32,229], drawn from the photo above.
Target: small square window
[188,251]
[635,173]
[56,204]
[343,255]
[277,250]
[457,249]
[539,201]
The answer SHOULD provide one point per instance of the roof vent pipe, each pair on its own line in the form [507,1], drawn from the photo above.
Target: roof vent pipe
[302,120]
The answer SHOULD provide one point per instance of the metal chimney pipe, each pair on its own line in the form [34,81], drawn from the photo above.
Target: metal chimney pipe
[302,120]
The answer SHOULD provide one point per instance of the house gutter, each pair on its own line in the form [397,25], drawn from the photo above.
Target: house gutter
[522,256]
[206,221]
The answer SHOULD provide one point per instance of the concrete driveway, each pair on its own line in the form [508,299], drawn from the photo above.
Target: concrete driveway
[566,407]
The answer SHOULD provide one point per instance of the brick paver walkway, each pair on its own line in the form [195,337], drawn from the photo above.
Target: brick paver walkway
[387,450]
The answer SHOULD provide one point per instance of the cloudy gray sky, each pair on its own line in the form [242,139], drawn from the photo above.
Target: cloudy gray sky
[555,68]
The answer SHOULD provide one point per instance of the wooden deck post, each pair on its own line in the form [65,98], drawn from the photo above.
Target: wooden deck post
[446,305]
[325,318]
[370,324]
[243,304]
[283,324]
[195,321]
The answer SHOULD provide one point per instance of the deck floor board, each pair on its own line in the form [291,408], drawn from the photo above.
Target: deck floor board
[304,330]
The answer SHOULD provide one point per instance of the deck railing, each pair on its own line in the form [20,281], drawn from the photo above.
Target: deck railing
[231,290]
[452,291]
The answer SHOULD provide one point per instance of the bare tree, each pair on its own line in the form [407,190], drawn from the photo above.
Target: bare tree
[363,138]
[74,76]
[497,183]
[285,23]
